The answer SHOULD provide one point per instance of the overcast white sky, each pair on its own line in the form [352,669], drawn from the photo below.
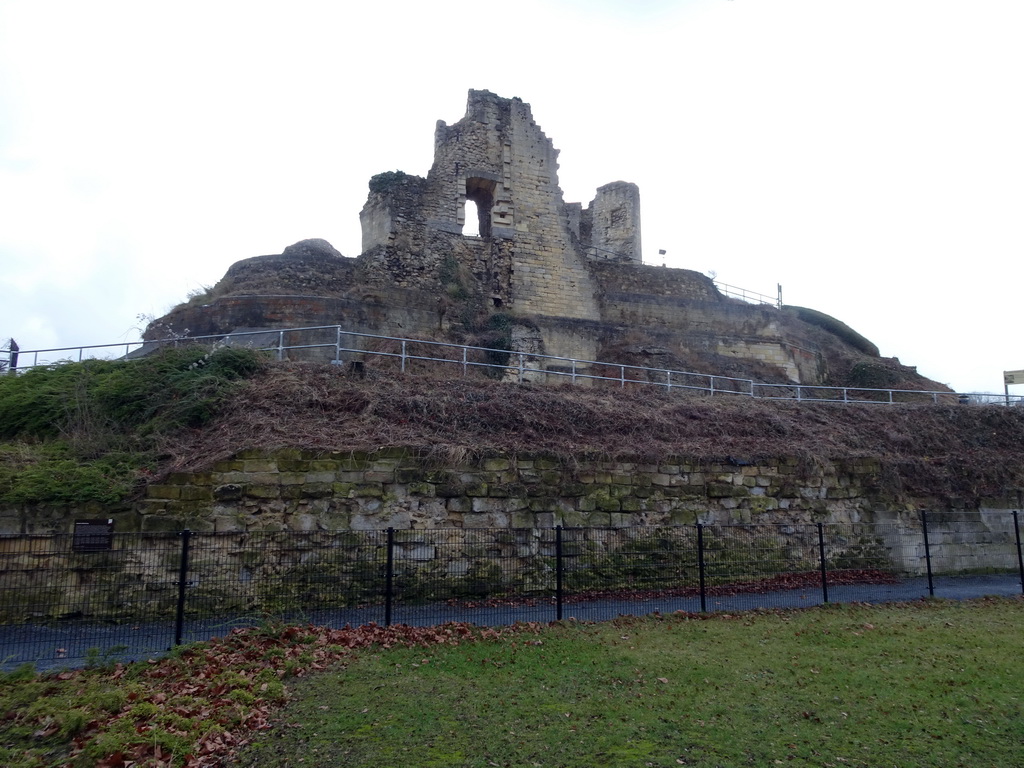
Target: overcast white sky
[866,154]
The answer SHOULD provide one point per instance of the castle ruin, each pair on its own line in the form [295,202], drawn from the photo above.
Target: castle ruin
[527,272]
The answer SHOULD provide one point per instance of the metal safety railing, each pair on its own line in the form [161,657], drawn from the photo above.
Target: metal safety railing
[331,343]
[751,297]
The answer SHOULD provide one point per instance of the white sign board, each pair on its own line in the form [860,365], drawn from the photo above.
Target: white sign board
[1013,377]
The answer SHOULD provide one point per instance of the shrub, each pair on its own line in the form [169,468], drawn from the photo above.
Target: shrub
[86,430]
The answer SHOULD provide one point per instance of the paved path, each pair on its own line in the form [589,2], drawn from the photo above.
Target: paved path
[68,644]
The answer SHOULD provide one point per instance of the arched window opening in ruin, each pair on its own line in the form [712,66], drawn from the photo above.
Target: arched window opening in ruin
[472,217]
[481,193]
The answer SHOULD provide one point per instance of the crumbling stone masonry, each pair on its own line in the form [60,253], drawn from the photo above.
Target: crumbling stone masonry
[555,278]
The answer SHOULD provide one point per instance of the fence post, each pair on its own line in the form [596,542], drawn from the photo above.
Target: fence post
[558,573]
[701,568]
[927,552]
[712,387]
[403,355]
[337,344]
[1020,558]
[464,362]
[179,614]
[622,375]
[821,559]
[389,578]
[522,363]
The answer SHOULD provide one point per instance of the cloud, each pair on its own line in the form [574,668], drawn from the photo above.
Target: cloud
[865,154]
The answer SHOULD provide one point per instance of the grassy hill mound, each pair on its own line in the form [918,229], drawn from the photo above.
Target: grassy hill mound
[100,430]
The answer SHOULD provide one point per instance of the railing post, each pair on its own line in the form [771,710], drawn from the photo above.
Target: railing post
[337,345]
[558,573]
[668,380]
[574,371]
[712,380]
[464,362]
[389,578]
[179,614]
[280,345]
[821,560]
[1020,557]
[799,394]
[701,568]
[403,355]
[521,364]
[622,376]
[927,553]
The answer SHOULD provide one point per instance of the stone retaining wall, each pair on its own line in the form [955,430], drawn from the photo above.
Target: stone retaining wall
[300,490]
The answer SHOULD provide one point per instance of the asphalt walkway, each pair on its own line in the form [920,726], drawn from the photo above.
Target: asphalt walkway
[77,643]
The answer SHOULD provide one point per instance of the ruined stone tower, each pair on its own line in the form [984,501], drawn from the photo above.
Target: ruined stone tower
[484,251]
[530,247]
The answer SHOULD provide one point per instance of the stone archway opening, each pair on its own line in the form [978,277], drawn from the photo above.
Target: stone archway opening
[479,192]
[472,218]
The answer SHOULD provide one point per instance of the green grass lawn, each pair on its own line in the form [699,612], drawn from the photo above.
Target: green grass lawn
[930,683]
[925,684]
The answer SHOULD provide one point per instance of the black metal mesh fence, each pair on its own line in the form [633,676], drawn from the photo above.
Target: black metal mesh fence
[59,602]
[135,595]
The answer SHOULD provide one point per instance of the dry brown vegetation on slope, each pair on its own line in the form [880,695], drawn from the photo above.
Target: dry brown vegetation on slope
[953,451]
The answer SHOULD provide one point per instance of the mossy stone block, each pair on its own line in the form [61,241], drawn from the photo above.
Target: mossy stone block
[420,489]
[262,491]
[368,490]
[409,475]
[196,493]
[163,491]
[725,490]
[450,490]
[524,519]
[315,490]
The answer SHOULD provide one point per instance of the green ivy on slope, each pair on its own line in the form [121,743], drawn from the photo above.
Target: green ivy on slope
[78,432]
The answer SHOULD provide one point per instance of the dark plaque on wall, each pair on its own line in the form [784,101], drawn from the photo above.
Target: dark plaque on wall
[93,535]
